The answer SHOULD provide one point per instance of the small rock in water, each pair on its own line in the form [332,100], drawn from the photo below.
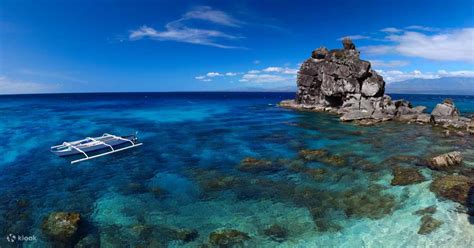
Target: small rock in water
[228,238]
[429,224]
[276,232]
[406,176]
[446,161]
[427,210]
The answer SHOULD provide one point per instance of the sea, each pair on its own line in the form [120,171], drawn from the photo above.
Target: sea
[192,179]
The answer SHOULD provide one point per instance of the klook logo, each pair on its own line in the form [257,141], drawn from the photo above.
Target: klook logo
[12,238]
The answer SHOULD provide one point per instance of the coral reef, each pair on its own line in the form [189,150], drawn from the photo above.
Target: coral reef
[61,226]
[276,232]
[453,187]
[227,238]
[406,176]
[429,224]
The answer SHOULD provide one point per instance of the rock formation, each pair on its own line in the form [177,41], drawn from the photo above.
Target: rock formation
[339,81]
[446,161]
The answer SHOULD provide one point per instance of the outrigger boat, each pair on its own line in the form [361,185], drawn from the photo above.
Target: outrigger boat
[112,143]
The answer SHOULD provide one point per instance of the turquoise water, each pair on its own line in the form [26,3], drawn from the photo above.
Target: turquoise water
[188,175]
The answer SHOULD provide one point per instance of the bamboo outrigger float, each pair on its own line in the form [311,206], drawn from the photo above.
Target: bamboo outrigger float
[112,143]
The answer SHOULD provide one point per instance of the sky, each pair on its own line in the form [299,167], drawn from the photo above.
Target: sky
[138,46]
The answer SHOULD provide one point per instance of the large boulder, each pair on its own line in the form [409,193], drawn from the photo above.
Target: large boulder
[445,161]
[61,226]
[445,112]
[455,188]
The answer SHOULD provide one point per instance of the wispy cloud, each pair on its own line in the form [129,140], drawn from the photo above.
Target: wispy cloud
[179,31]
[422,28]
[355,37]
[391,63]
[8,86]
[391,30]
[206,13]
[376,49]
[392,76]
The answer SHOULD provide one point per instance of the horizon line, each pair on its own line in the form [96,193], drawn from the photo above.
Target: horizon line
[210,91]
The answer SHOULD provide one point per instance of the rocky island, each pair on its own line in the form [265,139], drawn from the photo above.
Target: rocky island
[338,81]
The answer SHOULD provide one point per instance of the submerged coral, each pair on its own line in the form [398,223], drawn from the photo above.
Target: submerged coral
[254,165]
[453,187]
[276,232]
[429,224]
[61,226]
[371,203]
[228,238]
[406,176]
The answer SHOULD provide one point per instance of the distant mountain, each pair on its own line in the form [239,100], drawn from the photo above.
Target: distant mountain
[440,86]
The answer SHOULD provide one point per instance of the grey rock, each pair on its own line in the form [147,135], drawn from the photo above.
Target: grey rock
[445,111]
[419,109]
[355,115]
[408,117]
[446,161]
[373,85]
[423,118]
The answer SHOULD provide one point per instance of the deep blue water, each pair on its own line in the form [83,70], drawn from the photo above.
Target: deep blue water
[186,175]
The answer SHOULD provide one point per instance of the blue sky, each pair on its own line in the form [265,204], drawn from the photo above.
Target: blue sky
[102,46]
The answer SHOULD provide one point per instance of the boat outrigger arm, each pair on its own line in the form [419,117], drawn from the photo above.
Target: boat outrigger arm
[91,142]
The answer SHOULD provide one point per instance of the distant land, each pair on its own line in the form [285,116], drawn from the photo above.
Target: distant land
[439,86]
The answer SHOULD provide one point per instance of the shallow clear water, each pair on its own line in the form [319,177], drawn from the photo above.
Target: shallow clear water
[186,175]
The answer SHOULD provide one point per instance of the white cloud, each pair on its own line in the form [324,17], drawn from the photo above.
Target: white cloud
[290,71]
[213,74]
[231,74]
[206,13]
[256,62]
[253,72]
[422,28]
[273,69]
[390,63]
[8,86]
[456,45]
[452,45]
[391,30]
[178,31]
[355,37]
[200,77]
[397,76]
